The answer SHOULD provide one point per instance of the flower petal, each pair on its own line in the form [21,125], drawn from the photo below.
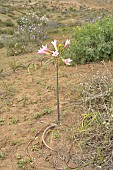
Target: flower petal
[67,43]
[67,61]
[55,53]
[42,52]
[54,44]
[46,49]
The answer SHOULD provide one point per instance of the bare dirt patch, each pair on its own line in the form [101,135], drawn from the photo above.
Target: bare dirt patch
[28,106]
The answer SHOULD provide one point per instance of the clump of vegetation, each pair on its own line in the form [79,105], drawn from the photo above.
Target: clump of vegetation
[9,23]
[31,32]
[96,135]
[22,163]
[1,44]
[8,31]
[93,41]
[2,155]
[14,65]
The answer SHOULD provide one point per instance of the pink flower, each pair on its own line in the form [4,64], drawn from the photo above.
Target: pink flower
[67,61]
[54,44]
[67,43]
[44,50]
[55,53]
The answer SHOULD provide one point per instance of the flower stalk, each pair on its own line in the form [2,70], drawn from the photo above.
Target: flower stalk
[57,93]
[56,58]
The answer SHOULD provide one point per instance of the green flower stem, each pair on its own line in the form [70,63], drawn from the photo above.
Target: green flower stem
[57,91]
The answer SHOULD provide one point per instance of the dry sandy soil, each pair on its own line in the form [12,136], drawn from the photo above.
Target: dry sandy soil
[28,106]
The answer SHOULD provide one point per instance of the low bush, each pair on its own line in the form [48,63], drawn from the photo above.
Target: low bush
[9,31]
[92,41]
[17,45]
[31,32]
[96,135]
[9,23]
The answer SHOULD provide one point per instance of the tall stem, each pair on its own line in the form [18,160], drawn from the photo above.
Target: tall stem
[57,93]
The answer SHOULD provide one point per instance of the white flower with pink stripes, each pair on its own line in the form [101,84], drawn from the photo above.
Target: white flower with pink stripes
[56,53]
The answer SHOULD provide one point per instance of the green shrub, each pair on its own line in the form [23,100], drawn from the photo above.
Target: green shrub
[92,42]
[9,23]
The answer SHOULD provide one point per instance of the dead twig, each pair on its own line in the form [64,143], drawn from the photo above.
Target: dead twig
[43,135]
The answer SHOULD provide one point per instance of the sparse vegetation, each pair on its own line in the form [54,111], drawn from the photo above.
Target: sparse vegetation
[13,65]
[30,33]
[27,90]
[96,135]
[2,121]
[2,155]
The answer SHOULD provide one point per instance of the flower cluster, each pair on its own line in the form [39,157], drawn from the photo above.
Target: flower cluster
[56,53]
[33,28]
